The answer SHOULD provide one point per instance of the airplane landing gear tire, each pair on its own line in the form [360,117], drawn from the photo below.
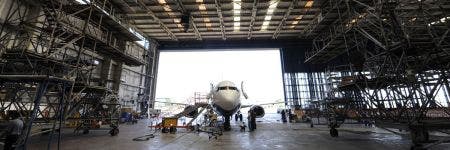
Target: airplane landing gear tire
[226,125]
[417,147]
[418,137]
[334,132]
[86,131]
[114,131]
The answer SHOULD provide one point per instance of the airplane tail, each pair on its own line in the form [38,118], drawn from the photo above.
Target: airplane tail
[242,90]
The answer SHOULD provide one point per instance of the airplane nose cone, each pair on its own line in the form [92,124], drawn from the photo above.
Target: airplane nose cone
[228,100]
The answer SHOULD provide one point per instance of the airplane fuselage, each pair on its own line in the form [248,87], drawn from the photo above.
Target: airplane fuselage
[226,98]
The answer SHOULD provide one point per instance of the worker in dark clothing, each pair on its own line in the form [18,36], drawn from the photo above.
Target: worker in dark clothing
[236,116]
[249,118]
[253,120]
[14,130]
[283,115]
[240,117]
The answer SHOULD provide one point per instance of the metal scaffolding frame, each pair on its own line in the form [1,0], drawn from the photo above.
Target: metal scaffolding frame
[404,46]
[48,53]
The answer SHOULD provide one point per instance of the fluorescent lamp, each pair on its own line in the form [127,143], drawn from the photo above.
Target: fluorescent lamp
[309,4]
[202,7]
[236,6]
[263,28]
[208,25]
[162,1]
[237,26]
[270,11]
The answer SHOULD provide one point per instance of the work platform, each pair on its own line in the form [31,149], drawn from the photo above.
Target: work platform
[107,19]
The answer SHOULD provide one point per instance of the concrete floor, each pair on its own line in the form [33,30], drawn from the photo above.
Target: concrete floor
[271,134]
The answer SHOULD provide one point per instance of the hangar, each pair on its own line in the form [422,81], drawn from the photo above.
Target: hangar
[71,67]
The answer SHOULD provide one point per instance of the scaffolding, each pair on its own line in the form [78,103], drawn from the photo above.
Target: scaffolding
[49,64]
[402,79]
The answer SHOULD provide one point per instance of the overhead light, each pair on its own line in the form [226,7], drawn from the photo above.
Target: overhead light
[202,7]
[292,27]
[236,13]
[83,1]
[176,20]
[309,4]
[270,11]
[237,26]
[295,22]
[264,28]
[208,25]
[273,4]
[236,6]
[206,20]
[162,1]
[199,1]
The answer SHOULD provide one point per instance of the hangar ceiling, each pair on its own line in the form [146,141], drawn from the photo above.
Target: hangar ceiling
[197,20]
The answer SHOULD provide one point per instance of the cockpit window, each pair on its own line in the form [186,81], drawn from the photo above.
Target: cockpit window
[227,88]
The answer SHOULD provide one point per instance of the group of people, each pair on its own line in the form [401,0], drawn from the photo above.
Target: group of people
[285,114]
[12,129]
[238,116]
[251,121]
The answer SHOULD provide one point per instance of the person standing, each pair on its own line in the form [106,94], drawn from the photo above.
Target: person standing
[240,117]
[283,116]
[15,130]
[253,120]
[249,118]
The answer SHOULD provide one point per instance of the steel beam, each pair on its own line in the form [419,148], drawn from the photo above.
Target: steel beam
[163,26]
[194,25]
[285,17]
[252,22]
[222,24]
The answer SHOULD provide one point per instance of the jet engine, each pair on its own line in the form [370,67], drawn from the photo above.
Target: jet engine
[190,111]
[259,111]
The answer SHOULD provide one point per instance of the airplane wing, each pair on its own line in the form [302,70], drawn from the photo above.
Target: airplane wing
[245,106]
[172,103]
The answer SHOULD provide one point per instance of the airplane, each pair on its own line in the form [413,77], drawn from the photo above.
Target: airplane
[225,101]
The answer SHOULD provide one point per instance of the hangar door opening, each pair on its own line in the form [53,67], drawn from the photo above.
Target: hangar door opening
[186,76]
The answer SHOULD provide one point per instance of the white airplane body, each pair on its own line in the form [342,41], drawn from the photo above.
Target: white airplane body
[225,100]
